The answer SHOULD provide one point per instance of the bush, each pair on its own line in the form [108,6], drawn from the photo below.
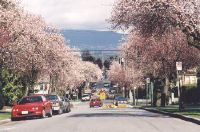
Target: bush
[11,89]
[1,102]
[191,94]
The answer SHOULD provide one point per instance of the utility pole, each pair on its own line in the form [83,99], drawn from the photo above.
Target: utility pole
[102,59]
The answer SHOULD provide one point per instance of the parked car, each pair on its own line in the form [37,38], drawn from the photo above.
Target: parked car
[112,90]
[111,96]
[96,102]
[66,104]
[57,103]
[31,106]
[120,100]
[86,97]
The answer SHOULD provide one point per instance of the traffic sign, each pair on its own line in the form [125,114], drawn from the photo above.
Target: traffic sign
[148,80]
[179,66]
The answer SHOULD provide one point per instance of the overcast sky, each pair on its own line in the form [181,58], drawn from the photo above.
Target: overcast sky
[72,14]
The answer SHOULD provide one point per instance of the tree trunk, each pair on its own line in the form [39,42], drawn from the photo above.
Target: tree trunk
[26,86]
[164,92]
[134,97]
[27,91]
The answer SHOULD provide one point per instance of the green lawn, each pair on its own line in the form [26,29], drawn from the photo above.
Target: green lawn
[189,111]
[195,114]
[4,116]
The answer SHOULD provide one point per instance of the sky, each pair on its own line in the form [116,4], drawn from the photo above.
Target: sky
[72,14]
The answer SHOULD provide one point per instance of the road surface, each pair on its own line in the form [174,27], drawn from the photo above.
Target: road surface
[85,119]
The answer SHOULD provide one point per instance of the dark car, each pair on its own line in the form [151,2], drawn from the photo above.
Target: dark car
[32,106]
[57,103]
[96,102]
[112,90]
[66,104]
[120,100]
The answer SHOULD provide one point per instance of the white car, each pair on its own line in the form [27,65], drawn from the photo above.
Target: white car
[86,97]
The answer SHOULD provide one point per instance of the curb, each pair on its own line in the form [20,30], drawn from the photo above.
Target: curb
[4,121]
[182,117]
[75,103]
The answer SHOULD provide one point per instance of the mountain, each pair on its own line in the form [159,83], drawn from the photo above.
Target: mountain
[92,40]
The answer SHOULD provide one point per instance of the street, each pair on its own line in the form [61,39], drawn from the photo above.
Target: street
[85,119]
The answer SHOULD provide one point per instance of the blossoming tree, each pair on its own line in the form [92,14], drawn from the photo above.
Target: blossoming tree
[30,48]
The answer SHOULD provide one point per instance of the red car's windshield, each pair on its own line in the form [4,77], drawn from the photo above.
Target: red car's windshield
[33,99]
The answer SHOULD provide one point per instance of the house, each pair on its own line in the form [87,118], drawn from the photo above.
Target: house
[42,85]
[189,78]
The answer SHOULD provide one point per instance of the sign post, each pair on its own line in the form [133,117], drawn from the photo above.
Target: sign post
[147,89]
[178,69]
[152,88]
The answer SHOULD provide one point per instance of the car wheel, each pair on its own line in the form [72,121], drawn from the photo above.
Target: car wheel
[50,113]
[13,119]
[68,109]
[65,110]
[43,114]
[60,111]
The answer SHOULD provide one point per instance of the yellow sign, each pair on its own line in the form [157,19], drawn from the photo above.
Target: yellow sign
[102,95]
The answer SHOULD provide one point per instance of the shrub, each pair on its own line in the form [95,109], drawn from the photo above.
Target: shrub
[191,94]
[11,88]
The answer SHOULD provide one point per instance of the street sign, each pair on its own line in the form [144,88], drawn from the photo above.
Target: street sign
[148,80]
[122,60]
[179,66]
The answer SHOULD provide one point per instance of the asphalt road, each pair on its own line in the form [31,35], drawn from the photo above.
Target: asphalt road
[85,119]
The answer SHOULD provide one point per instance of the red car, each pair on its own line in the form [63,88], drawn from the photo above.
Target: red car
[95,102]
[32,106]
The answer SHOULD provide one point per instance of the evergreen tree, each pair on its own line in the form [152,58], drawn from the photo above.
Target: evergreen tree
[10,87]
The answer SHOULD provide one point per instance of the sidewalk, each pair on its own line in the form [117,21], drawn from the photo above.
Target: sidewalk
[4,121]
[5,115]
[191,114]
[6,109]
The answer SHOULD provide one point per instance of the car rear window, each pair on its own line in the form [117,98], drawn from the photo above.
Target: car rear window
[85,95]
[33,99]
[95,100]
[51,97]
[122,99]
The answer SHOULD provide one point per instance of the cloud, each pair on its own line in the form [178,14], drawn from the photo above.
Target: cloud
[72,14]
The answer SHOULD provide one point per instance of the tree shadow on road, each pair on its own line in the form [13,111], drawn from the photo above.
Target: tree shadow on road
[118,115]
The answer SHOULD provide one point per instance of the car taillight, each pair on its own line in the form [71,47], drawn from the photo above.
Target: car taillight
[35,108]
[15,110]
[56,103]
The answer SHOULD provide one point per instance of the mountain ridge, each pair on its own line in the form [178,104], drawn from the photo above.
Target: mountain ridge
[92,39]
